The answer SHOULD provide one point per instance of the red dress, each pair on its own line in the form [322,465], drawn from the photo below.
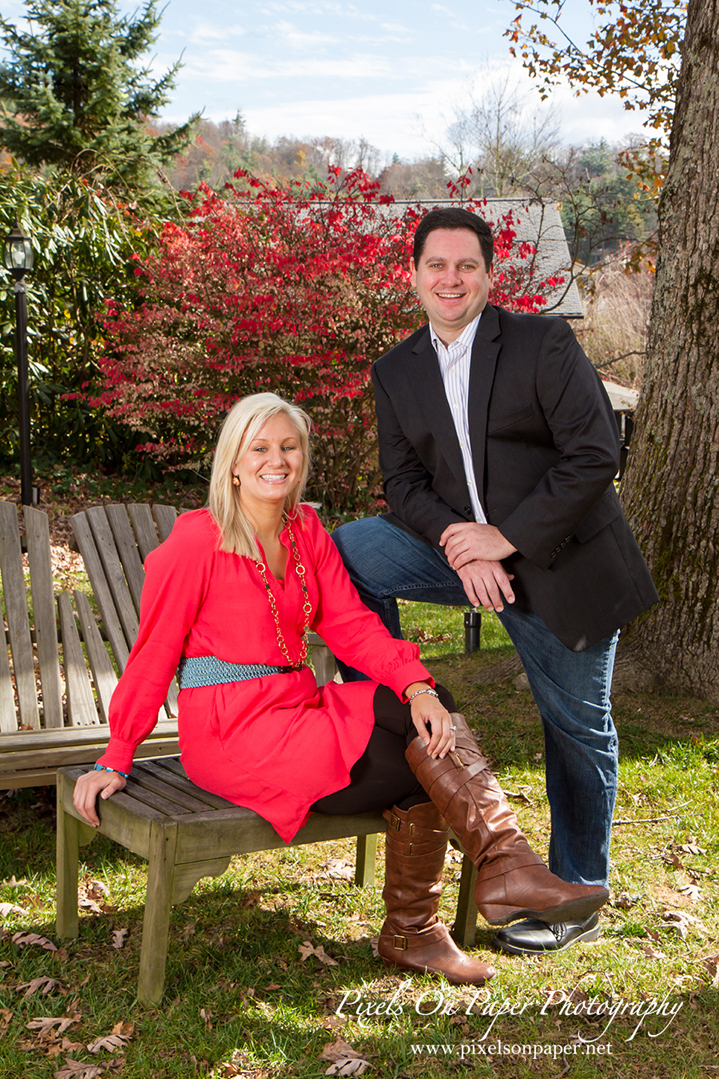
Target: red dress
[274,744]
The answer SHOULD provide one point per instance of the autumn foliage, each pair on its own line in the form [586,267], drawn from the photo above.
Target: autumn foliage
[295,290]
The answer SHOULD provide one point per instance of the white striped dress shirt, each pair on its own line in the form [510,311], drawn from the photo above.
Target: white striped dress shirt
[454,364]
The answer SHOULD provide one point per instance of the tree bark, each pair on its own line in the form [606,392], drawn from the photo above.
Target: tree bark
[671,488]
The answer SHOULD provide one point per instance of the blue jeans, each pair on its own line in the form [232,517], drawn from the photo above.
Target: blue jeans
[571,689]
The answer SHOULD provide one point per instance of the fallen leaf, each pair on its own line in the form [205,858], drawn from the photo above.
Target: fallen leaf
[110,1042]
[22,939]
[118,937]
[625,901]
[690,890]
[77,1069]
[46,984]
[353,1066]
[5,1017]
[46,1023]
[690,847]
[89,904]
[12,883]
[682,922]
[306,949]
[340,869]
[11,908]
[206,1015]
[340,1049]
[652,953]
[272,985]
[711,962]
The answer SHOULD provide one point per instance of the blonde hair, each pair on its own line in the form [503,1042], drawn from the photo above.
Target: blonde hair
[242,423]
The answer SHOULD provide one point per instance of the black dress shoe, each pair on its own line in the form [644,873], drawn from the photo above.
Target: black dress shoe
[532,937]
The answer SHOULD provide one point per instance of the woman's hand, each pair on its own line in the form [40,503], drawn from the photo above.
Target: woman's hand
[87,789]
[432,720]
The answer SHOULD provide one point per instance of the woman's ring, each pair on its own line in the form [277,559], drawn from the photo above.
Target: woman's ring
[454,728]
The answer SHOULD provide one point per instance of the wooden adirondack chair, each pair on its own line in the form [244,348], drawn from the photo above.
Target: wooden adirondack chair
[184,832]
[52,713]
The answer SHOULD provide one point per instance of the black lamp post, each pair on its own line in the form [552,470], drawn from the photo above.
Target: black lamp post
[18,259]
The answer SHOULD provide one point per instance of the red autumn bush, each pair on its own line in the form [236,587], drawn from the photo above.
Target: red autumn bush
[295,290]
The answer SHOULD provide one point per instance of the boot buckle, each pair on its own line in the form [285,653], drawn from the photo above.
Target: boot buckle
[394,822]
[399,942]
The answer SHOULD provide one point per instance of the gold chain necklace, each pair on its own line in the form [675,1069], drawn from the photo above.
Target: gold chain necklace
[306,606]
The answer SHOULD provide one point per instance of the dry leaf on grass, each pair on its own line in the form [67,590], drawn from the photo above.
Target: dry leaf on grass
[652,953]
[12,883]
[46,1023]
[78,1069]
[23,939]
[682,922]
[12,908]
[625,901]
[349,1067]
[118,938]
[307,948]
[690,890]
[340,869]
[5,1017]
[345,1059]
[711,962]
[45,984]
[111,1042]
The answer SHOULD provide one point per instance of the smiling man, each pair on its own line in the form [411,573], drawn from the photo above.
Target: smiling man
[499,448]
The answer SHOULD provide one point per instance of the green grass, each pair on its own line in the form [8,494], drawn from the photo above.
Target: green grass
[240,1000]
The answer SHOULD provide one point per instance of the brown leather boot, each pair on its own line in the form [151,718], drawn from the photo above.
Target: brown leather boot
[413,936]
[512,881]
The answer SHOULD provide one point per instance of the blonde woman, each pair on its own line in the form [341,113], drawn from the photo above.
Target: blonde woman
[229,600]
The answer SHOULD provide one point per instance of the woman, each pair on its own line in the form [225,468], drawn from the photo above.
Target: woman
[230,598]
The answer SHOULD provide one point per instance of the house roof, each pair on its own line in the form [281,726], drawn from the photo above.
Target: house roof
[539,222]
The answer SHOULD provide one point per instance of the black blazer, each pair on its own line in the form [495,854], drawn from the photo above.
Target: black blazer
[545,450]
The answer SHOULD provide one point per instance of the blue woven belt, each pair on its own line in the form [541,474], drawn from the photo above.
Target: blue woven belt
[196,671]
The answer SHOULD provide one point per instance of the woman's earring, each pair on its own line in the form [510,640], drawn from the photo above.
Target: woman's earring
[235,481]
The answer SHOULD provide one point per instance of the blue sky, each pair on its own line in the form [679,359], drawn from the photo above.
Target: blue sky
[390,71]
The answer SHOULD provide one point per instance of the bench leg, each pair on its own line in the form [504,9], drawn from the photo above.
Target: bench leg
[464,929]
[158,904]
[71,833]
[366,858]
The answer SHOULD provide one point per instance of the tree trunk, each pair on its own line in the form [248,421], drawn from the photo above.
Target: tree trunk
[671,489]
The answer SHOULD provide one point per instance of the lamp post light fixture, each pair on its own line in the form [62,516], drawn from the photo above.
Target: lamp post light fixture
[18,259]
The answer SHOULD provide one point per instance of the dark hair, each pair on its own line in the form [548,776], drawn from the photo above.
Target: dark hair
[454,217]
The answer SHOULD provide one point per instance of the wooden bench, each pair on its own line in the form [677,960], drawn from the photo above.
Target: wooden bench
[186,833]
[51,713]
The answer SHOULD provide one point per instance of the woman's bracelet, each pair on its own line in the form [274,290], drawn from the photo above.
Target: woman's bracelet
[417,692]
[125,775]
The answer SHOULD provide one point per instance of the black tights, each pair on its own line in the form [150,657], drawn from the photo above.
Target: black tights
[381,777]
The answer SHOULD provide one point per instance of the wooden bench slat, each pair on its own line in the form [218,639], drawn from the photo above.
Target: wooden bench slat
[170,771]
[165,517]
[184,800]
[81,708]
[101,588]
[128,551]
[8,714]
[13,584]
[142,793]
[37,533]
[114,573]
[103,672]
[144,527]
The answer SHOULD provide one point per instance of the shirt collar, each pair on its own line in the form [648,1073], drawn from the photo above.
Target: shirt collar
[462,343]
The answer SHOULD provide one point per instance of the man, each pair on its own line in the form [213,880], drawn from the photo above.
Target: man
[499,449]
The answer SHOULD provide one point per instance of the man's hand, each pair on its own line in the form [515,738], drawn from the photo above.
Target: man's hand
[469,542]
[487,584]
